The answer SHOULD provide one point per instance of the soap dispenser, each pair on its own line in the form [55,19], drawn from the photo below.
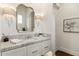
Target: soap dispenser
[4,38]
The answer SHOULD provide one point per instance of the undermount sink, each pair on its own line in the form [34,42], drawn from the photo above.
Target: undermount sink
[19,41]
[15,41]
[33,39]
[39,38]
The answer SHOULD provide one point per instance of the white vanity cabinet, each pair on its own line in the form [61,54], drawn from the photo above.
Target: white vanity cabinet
[33,49]
[38,49]
[15,52]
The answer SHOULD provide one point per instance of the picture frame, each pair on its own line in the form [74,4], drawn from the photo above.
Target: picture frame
[71,25]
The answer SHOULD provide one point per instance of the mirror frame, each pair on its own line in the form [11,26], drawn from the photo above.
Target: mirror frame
[33,26]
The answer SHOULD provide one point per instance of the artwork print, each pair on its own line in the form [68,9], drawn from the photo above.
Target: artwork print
[71,25]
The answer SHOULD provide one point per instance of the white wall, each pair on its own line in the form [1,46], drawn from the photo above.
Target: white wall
[68,42]
[48,23]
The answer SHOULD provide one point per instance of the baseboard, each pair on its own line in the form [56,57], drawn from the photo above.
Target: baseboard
[69,51]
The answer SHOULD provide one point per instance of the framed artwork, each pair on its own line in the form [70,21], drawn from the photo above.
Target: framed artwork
[71,25]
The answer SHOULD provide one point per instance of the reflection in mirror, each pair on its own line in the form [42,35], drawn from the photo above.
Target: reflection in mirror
[25,18]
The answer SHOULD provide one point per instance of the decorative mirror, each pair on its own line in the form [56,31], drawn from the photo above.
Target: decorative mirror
[24,18]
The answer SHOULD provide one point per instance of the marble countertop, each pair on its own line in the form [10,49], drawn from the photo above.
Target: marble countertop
[6,46]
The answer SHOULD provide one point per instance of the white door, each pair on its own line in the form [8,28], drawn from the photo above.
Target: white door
[15,52]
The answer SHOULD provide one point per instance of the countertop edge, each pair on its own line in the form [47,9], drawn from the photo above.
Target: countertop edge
[21,45]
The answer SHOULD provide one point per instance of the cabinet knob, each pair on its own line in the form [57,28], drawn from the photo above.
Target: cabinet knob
[35,51]
[46,47]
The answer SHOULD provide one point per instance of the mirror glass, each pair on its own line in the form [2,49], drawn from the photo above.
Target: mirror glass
[25,18]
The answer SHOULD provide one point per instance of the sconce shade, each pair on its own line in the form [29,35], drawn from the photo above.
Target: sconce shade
[39,16]
[8,11]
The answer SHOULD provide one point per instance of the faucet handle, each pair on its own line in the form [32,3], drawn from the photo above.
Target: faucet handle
[3,34]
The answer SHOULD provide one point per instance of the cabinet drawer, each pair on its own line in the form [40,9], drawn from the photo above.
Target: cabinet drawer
[34,50]
[45,46]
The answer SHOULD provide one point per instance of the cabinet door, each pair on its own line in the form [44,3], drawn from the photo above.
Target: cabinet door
[0,53]
[45,47]
[15,52]
[34,50]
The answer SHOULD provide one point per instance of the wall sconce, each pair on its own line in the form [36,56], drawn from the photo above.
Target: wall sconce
[39,16]
[8,11]
[8,15]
